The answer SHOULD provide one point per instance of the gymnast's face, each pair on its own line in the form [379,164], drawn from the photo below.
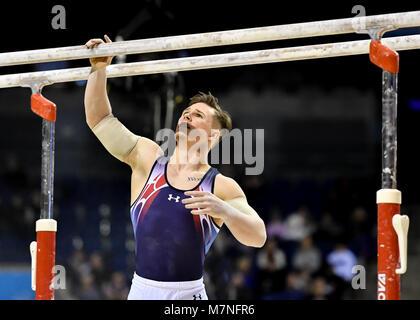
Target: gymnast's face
[197,120]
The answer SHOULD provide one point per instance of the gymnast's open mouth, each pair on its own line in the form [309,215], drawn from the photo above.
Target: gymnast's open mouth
[184,126]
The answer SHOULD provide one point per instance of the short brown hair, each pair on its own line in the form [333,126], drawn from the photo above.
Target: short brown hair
[222,116]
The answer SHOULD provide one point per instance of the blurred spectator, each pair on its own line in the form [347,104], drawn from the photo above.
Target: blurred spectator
[319,289]
[88,290]
[271,262]
[342,261]
[294,289]
[275,226]
[241,287]
[98,270]
[77,268]
[299,224]
[271,258]
[361,241]
[307,257]
[117,288]
[238,289]
[340,287]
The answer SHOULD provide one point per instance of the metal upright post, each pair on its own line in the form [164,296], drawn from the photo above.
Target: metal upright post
[43,250]
[392,227]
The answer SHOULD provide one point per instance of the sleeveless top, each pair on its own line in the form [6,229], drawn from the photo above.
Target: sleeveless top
[171,243]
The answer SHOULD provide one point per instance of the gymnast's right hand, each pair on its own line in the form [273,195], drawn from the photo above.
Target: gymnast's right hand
[99,62]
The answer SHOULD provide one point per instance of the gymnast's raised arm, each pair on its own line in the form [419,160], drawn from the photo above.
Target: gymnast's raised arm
[115,137]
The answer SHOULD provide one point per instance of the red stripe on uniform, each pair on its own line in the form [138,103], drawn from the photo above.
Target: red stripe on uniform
[197,223]
[161,181]
[149,190]
[147,205]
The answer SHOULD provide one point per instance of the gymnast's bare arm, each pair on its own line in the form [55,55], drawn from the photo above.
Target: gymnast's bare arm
[136,151]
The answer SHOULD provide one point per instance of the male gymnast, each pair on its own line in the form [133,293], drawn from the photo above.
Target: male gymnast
[179,202]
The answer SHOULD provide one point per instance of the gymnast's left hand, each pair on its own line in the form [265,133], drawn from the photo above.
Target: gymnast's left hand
[99,62]
[204,202]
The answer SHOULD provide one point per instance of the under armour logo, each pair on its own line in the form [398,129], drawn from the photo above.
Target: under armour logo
[197,298]
[171,197]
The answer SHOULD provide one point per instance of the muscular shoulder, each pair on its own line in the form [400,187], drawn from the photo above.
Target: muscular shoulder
[227,188]
[144,154]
